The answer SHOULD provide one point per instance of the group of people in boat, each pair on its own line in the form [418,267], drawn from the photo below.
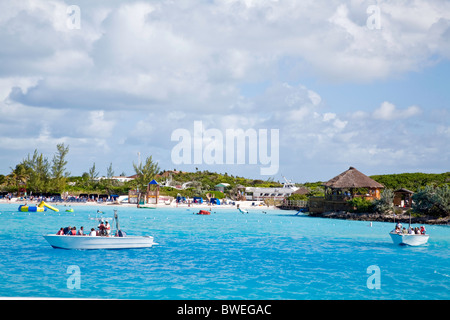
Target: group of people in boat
[104,230]
[402,230]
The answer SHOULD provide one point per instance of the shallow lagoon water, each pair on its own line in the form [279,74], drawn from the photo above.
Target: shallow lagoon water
[268,254]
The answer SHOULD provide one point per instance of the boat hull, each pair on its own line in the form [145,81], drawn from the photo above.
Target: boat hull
[90,243]
[409,239]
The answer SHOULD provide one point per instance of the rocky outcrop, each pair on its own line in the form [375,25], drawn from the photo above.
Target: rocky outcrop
[381,217]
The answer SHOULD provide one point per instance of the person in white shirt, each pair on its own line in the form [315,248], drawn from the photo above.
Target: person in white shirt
[81,232]
[107,228]
[93,233]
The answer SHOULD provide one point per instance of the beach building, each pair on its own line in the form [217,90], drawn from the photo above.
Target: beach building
[117,178]
[123,179]
[239,193]
[152,192]
[221,187]
[345,186]
[403,198]
[149,196]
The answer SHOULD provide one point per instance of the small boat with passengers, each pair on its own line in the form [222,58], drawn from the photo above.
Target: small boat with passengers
[119,240]
[408,237]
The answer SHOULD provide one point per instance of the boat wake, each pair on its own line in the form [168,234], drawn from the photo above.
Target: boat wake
[442,274]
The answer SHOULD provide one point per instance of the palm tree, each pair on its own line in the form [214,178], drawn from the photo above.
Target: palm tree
[18,176]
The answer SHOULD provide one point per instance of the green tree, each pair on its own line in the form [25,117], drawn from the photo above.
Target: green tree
[110,171]
[18,176]
[297,196]
[423,200]
[412,181]
[92,173]
[443,200]
[108,183]
[145,172]
[59,172]
[432,201]
[386,202]
[39,172]
[361,205]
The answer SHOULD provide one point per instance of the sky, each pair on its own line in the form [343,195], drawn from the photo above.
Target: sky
[321,85]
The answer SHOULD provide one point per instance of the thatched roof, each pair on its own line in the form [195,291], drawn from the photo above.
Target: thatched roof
[403,190]
[301,190]
[352,178]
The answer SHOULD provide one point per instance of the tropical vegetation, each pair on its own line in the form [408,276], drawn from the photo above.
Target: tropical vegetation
[412,181]
[37,174]
[433,201]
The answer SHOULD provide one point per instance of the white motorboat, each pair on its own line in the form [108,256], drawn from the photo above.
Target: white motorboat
[117,241]
[98,242]
[409,239]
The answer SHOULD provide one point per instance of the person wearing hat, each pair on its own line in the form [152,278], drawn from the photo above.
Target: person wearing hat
[422,230]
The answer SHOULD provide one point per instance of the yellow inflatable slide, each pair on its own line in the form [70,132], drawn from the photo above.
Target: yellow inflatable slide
[39,208]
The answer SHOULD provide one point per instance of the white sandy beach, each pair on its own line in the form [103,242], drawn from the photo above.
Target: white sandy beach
[173,204]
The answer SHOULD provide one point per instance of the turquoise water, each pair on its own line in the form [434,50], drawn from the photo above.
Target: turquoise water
[227,255]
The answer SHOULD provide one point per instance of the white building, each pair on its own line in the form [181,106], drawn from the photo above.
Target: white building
[260,194]
[117,178]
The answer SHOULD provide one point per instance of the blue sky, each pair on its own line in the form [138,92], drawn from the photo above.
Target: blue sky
[340,93]
[427,88]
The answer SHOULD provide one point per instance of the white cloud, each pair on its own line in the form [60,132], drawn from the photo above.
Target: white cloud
[147,53]
[137,70]
[329,116]
[388,111]
[97,126]
[443,130]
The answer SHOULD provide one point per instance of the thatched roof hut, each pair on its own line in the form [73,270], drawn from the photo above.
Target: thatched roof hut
[403,198]
[301,191]
[352,179]
[349,184]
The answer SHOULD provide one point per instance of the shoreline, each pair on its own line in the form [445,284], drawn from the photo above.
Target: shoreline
[382,218]
[242,204]
[342,215]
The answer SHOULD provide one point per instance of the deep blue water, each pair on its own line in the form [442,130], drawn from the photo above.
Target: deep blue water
[227,255]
